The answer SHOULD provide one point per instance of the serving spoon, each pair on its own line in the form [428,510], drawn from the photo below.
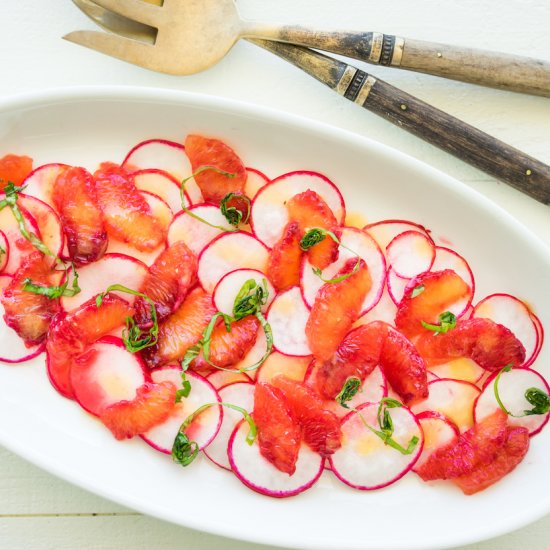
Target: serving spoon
[201,32]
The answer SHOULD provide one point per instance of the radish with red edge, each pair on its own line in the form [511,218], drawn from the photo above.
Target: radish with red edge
[269,214]
[453,398]
[39,183]
[254,182]
[13,348]
[165,155]
[462,368]
[511,312]
[229,286]
[240,394]
[288,317]
[227,253]
[438,431]
[396,287]
[257,473]
[383,232]
[540,334]
[112,269]
[221,378]
[162,184]
[254,355]
[364,461]
[385,310]
[195,233]
[411,253]
[203,429]
[294,368]
[4,251]
[511,388]
[354,243]
[105,374]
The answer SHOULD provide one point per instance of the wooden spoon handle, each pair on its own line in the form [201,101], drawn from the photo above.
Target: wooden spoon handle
[461,140]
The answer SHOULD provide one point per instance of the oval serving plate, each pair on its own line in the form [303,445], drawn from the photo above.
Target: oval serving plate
[86,126]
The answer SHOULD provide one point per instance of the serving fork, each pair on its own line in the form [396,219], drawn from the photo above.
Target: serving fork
[133,39]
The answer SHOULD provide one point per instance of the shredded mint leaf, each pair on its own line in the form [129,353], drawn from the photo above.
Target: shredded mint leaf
[348,391]
[184,451]
[417,290]
[312,237]
[447,321]
[250,299]
[232,214]
[54,292]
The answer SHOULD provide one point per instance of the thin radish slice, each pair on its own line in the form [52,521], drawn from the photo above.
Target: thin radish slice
[12,348]
[19,247]
[254,355]
[260,475]
[385,310]
[459,369]
[227,253]
[269,214]
[396,286]
[438,431]
[221,378]
[511,388]
[4,251]
[111,269]
[511,312]
[240,394]
[39,183]
[432,376]
[164,155]
[411,253]
[294,368]
[288,316]
[364,461]
[540,334]
[254,182]
[366,248]
[229,286]
[203,429]
[106,374]
[195,233]
[445,258]
[383,232]
[453,398]
[162,184]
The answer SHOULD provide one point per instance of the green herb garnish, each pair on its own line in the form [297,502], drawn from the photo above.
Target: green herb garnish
[54,292]
[311,238]
[447,321]
[417,290]
[348,392]
[233,215]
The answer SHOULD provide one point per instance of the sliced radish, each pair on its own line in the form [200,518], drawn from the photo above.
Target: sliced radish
[111,269]
[288,316]
[12,348]
[164,155]
[364,461]
[459,369]
[396,286]
[453,398]
[411,253]
[277,363]
[5,251]
[240,394]
[195,233]
[229,286]
[221,378]
[383,232]
[254,355]
[162,184]
[203,429]
[39,183]
[385,310]
[254,182]
[260,475]
[269,214]
[438,431]
[366,248]
[106,374]
[507,310]
[511,388]
[227,253]
[540,335]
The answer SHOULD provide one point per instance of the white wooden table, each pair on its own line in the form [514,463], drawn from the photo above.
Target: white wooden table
[38,511]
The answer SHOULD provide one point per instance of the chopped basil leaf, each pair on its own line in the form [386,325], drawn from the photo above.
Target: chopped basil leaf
[233,215]
[184,451]
[348,391]
[250,299]
[54,292]
[312,237]
[447,321]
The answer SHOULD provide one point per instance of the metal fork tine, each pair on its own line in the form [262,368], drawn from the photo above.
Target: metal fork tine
[122,48]
[140,11]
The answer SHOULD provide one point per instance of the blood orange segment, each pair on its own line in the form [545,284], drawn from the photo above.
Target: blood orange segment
[490,345]
[279,435]
[75,200]
[181,330]
[151,406]
[336,308]
[215,186]
[27,313]
[309,210]
[127,215]
[426,297]
[284,263]
[167,282]
[14,169]
[320,427]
